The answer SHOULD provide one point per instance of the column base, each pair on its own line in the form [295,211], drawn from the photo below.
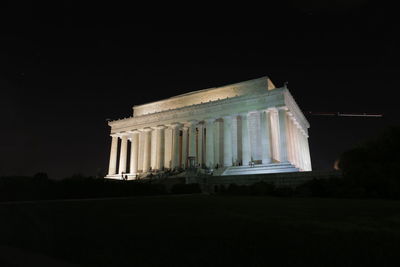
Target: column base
[266,161]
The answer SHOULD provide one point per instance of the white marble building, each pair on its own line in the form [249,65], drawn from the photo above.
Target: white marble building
[224,128]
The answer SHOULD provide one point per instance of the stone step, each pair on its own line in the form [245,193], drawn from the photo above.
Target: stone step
[114,176]
[119,176]
[264,165]
[261,167]
[257,169]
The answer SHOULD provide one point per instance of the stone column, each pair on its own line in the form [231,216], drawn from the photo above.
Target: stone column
[141,149]
[218,144]
[299,147]
[167,147]
[112,167]
[133,166]
[184,146]
[303,150]
[123,154]
[265,137]
[210,143]
[175,146]
[283,136]
[192,139]
[147,149]
[309,167]
[227,141]
[293,140]
[293,130]
[299,153]
[235,140]
[274,127]
[246,153]
[306,154]
[291,157]
[160,148]
[153,149]
[296,144]
[200,138]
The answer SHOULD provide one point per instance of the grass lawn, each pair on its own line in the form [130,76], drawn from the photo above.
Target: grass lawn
[201,230]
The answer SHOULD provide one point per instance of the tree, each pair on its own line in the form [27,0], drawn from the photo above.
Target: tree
[375,165]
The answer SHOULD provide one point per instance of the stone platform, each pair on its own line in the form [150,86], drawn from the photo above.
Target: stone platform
[261,168]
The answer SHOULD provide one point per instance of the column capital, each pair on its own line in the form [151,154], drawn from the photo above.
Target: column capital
[298,125]
[302,131]
[134,131]
[159,127]
[293,118]
[122,134]
[268,110]
[114,135]
[191,123]
[147,129]
[210,120]
[227,117]
[272,109]
[174,125]
[244,114]
[254,112]
[283,108]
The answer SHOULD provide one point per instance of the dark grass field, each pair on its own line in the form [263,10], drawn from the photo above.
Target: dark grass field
[201,230]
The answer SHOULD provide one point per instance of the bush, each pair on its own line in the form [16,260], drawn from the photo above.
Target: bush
[234,189]
[185,188]
[262,188]
[321,188]
[25,188]
[283,191]
[256,189]
[39,187]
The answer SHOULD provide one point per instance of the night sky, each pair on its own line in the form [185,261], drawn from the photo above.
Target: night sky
[65,69]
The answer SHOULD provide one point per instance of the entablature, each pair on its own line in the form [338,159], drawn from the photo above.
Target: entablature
[210,110]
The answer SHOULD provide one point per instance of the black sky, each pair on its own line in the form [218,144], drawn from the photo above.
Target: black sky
[66,68]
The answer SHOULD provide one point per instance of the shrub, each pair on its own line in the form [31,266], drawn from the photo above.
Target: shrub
[185,188]
[39,187]
[283,191]
[262,188]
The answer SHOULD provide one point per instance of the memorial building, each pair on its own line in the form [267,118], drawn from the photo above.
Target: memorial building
[244,128]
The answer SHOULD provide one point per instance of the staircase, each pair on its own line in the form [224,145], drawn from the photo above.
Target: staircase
[219,171]
[114,176]
[261,168]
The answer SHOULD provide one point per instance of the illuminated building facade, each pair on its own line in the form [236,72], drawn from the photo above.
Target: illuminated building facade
[244,128]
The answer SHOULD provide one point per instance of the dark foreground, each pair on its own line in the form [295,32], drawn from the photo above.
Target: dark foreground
[199,230]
